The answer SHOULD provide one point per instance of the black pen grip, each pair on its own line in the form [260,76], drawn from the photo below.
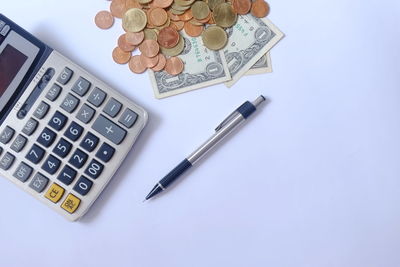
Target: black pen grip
[175,173]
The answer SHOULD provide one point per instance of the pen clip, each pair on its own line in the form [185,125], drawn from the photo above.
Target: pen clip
[226,120]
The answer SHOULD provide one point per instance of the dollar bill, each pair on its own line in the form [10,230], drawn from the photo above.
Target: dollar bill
[203,67]
[249,39]
[263,65]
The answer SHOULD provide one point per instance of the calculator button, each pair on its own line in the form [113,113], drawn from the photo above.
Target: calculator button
[108,129]
[23,172]
[39,182]
[2,24]
[5,30]
[67,175]
[51,164]
[85,114]
[74,131]
[19,143]
[47,137]
[128,118]
[94,169]
[62,148]
[53,92]
[89,142]
[41,110]
[70,103]
[58,121]
[113,107]
[83,185]
[65,76]
[55,193]
[81,86]
[105,152]
[6,135]
[97,97]
[36,154]
[71,203]
[30,127]
[78,159]
[6,161]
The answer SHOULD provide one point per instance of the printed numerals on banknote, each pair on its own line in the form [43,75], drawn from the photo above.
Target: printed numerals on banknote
[203,67]
[247,52]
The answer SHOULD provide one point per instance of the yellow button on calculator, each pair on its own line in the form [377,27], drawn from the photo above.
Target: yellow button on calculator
[55,193]
[71,203]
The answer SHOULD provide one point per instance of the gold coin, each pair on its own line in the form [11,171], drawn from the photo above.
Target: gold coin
[143,2]
[214,38]
[150,34]
[200,10]
[184,2]
[175,51]
[213,3]
[134,20]
[224,15]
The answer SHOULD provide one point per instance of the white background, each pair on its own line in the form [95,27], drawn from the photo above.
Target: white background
[312,180]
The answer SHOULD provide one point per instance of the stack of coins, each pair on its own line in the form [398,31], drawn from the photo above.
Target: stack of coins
[153,27]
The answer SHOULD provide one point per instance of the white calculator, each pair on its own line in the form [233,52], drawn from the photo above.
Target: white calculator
[63,132]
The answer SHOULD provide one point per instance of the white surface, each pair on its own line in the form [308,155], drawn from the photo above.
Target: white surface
[312,180]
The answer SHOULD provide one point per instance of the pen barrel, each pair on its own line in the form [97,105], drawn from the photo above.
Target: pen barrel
[175,173]
[216,138]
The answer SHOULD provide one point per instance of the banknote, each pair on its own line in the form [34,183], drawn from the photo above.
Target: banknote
[263,65]
[249,39]
[203,67]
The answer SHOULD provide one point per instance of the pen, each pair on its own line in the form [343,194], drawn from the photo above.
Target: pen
[236,118]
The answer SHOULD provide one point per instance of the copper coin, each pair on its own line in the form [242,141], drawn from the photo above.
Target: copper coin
[136,66]
[104,20]
[157,16]
[172,16]
[260,9]
[117,8]
[134,38]
[193,30]
[132,4]
[174,66]
[124,45]
[168,37]
[149,62]
[162,3]
[188,15]
[242,7]
[149,48]
[177,25]
[120,56]
[161,63]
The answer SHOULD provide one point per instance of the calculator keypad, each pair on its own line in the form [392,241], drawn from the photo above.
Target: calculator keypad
[66,156]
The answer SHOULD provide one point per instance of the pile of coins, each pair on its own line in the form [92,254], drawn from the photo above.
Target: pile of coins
[153,27]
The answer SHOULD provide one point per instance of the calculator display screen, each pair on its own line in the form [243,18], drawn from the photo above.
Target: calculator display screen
[11,61]
[17,55]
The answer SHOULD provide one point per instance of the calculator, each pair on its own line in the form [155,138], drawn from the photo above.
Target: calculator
[63,132]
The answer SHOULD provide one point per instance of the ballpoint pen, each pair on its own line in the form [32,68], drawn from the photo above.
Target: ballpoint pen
[236,118]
